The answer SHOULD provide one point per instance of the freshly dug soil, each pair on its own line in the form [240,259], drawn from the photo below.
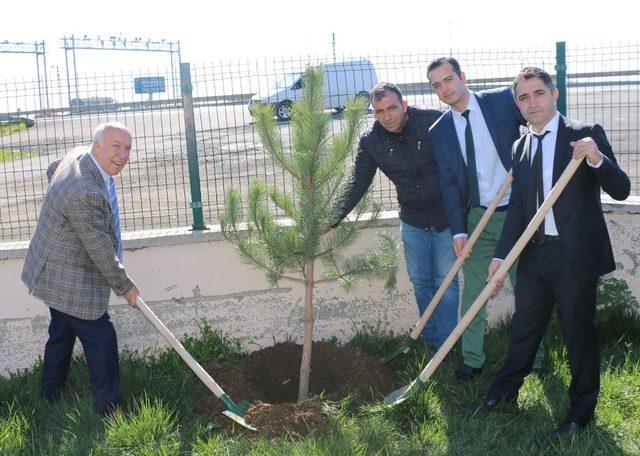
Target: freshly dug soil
[269,379]
[273,420]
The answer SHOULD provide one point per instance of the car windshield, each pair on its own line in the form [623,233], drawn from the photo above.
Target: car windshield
[287,81]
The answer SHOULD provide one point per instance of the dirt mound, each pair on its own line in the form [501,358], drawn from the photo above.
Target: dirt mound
[269,379]
[297,420]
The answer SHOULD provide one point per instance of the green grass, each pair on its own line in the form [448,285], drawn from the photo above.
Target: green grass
[8,154]
[161,421]
[7,129]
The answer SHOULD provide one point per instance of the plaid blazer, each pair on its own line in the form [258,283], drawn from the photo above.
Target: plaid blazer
[72,262]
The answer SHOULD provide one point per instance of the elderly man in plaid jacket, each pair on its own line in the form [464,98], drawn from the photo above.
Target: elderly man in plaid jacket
[75,259]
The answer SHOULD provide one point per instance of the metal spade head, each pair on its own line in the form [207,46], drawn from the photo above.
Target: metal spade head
[403,348]
[238,419]
[236,411]
[402,394]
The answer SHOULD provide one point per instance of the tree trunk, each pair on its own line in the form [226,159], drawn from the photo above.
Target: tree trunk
[305,363]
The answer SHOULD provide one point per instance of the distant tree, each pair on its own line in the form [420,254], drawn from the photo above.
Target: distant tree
[319,170]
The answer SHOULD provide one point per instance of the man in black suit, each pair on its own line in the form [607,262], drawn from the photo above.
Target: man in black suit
[569,252]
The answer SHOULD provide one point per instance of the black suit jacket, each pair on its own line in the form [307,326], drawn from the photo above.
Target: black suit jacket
[578,211]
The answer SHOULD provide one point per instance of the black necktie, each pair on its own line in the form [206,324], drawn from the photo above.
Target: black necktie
[472,176]
[536,187]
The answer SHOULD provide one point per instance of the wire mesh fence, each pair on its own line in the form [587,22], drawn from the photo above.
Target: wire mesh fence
[153,190]
[603,86]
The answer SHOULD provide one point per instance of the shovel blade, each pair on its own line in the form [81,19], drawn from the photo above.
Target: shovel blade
[238,419]
[236,411]
[403,348]
[401,394]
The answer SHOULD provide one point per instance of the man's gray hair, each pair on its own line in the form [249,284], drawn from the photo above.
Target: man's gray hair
[98,133]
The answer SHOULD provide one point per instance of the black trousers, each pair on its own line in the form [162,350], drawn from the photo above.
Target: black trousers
[544,277]
[98,339]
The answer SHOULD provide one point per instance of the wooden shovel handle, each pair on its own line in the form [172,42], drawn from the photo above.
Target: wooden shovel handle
[502,270]
[461,259]
[179,348]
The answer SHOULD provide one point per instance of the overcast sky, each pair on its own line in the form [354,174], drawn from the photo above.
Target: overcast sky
[214,30]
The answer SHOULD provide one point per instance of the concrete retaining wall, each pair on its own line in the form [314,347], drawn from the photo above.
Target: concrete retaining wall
[186,277]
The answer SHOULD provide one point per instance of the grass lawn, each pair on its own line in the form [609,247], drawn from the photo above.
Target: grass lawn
[161,420]
[8,154]
[7,129]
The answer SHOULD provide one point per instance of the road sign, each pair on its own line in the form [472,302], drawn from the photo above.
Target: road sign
[153,84]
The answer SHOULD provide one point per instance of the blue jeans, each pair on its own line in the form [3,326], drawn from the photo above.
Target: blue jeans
[429,257]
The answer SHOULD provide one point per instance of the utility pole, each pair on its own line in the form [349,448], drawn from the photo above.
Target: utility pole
[333,45]
[38,49]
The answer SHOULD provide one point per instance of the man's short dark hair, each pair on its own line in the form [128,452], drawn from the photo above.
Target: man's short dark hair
[532,72]
[381,89]
[441,61]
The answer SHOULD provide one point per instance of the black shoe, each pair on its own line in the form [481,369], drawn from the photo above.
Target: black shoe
[567,427]
[51,396]
[465,373]
[488,404]
[450,359]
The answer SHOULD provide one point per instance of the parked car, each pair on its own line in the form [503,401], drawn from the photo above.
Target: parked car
[7,119]
[342,81]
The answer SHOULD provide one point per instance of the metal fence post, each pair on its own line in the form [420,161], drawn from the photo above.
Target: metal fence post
[192,147]
[561,76]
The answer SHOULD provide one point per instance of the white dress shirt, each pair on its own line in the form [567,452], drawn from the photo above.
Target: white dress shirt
[103,173]
[548,155]
[489,168]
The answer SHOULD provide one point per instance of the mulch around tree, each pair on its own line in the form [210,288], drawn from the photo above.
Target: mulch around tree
[268,379]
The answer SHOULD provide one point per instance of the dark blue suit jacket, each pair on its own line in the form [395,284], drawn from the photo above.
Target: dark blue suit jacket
[578,211]
[503,120]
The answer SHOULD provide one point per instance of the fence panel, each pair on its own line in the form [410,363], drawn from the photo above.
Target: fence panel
[153,188]
[603,86]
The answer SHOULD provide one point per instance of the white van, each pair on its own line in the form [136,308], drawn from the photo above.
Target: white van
[342,81]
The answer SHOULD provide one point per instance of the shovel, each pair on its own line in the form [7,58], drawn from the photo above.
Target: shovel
[234,411]
[413,337]
[401,394]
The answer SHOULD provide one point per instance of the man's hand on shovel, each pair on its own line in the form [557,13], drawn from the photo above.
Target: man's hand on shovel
[458,246]
[586,147]
[132,295]
[493,268]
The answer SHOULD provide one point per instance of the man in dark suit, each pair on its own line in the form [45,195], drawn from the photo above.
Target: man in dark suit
[472,145]
[75,259]
[569,252]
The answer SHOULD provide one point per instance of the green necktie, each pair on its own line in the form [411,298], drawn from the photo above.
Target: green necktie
[472,176]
